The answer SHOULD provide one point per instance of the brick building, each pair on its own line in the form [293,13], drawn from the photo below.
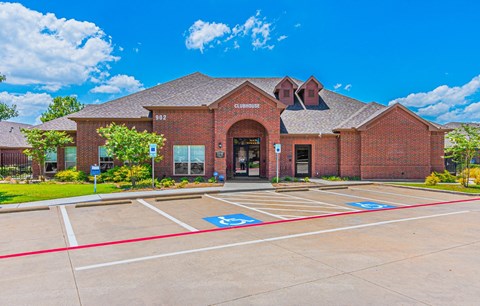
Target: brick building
[230,125]
[12,143]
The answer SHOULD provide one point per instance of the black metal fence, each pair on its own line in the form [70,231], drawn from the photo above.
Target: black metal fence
[15,165]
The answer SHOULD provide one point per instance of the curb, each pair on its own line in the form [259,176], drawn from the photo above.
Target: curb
[435,190]
[23,209]
[103,203]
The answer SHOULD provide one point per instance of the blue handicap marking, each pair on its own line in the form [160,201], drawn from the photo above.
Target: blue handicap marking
[232,220]
[370,205]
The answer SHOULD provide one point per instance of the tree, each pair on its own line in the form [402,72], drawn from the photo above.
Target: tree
[7,112]
[465,145]
[61,106]
[43,142]
[130,146]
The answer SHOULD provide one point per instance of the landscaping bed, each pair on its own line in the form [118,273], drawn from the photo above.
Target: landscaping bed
[446,187]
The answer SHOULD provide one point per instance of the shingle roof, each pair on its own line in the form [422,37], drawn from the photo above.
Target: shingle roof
[64,123]
[364,114]
[455,125]
[11,136]
[333,108]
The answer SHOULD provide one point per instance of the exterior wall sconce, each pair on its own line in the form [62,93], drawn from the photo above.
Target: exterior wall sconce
[220,145]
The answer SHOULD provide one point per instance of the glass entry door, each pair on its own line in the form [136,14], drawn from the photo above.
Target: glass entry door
[303,160]
[246,156]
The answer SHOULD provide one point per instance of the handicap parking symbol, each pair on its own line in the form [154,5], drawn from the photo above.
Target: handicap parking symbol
[370,205]
[232,220]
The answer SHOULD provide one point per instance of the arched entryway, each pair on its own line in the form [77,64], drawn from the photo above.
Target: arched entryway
[247,149]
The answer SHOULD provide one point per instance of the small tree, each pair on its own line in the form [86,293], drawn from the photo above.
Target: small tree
[465,145]
[61,106]
[130,146]
[43,142]
[7,112]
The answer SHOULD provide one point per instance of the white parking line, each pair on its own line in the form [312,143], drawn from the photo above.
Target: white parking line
[231,245]
[396,194]
[257,196]
[289,205]
[359,197]
[302,210]
[269,200]
[319,202]
[240,205]
[72,240]
[182,224]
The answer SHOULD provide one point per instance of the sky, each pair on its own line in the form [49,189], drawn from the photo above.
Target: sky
[423,54]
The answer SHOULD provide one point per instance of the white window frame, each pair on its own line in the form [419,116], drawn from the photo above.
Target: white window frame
[75,161]
[104,162]
[189,162]
[50,161]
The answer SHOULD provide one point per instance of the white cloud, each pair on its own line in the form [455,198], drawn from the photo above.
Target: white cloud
[29,105]
[297,25]
[52,52]
[337,86]
[119,84]
[202,33]
[121,49]
[348,87]
[441,94]
[445,103]
[208,34]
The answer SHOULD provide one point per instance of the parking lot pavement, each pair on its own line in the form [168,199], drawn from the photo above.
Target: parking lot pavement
[179,252]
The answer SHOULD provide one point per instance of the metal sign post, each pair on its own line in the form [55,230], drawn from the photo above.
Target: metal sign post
[153,154]
[278,150]
[95,170]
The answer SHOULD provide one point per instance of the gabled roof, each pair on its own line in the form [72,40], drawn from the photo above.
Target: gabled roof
[11,136]
[312,78]
[287,78]
[64,123]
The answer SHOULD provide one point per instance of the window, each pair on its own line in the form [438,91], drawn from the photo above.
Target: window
[105,161]
[51,162]
[70,157]
[189,160]
[286,93]
[311,93]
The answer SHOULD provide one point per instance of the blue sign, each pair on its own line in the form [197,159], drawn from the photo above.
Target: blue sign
[95,170]
[215,173]
[232,220]
[153,150]
[278,148]
[370,205]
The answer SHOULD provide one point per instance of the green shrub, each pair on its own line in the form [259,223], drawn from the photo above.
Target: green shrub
[71,175]
[182,184]
[306,179]
[446,177]
[331,178]
[287,179]
[295,179]
[432,179]
[275,180]
[182,179]
[477,180]
[212,180]
[199,179]
[123,174]
[167,182]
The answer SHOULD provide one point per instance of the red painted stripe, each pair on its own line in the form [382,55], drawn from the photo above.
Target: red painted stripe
[94,245]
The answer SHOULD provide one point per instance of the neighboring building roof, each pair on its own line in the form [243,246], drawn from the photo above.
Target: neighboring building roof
[455,125]
[64,123]
[11,136]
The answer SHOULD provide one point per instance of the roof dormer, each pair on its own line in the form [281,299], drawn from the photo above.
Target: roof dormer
[285,91]
[309,91]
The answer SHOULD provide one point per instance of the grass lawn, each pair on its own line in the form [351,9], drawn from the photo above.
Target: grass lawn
[18,193]
[449,187]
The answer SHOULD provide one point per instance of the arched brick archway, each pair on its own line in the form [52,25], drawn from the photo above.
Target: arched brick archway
[240,133]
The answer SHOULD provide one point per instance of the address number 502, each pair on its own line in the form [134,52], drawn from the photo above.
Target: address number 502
[160,117]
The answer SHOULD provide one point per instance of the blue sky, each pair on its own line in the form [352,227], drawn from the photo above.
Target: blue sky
[423,54]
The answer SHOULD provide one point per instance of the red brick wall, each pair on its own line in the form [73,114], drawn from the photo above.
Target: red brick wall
[88,140]
[311,100]
[350,154]
[396,146]
[437,144]
[286,85]
[268,115]
[184,127]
